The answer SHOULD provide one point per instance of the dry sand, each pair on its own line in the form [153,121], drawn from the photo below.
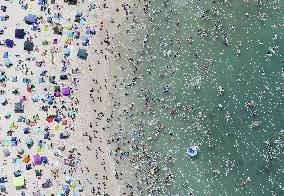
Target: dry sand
[96,164]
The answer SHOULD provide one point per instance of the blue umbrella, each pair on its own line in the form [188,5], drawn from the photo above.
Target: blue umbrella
[66,51]
[29,142]
[7,61]
[6,55]
[66,187]
[26,130]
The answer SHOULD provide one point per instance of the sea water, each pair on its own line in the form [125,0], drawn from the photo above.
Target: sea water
[205,73]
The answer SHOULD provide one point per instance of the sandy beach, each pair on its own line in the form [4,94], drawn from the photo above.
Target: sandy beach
[58,144]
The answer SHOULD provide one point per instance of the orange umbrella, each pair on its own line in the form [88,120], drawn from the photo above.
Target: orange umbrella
[26,158]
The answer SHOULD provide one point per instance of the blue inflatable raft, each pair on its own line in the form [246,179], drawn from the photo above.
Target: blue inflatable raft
[192,151]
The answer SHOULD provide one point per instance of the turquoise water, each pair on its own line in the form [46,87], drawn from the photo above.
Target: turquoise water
[172,72]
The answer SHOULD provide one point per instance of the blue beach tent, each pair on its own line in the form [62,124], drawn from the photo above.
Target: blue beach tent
[9,43]
[82,54]
[30,19]
[20,33]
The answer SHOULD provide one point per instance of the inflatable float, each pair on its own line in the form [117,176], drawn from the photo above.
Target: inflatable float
[192,151]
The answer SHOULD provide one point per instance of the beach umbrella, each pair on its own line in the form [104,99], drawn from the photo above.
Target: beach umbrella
[21,151]
[26,130]
[7,115]
[79,188]
[54,170]
[11,125]
[6,152]
[68,26]
[44,159]
[73,184]
[37,159]
[57,119]
[20,119]
[26,158]
[6,55]
[7,62]
[66,187]
[17,173]
[6,143]
[38,173]
[66,51]
[65,91]
[2,187]
[29,142]
[3,101]
[68,179]
[46,135]
[85,41]
[39,143]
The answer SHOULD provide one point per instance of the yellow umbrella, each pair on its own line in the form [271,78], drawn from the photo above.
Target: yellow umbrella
[45,27]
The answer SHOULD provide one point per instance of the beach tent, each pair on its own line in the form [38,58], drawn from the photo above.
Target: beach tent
[20,33]
[19,108]
[37,159]
[29,166]
[30,19]
[82,54]
[9,43]
[29,46]
[19,181]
